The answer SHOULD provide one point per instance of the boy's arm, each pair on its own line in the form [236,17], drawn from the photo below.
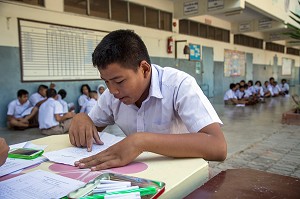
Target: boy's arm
[209,143]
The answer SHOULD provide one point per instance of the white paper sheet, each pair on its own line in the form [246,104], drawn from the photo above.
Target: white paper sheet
[71,154]
[38,185]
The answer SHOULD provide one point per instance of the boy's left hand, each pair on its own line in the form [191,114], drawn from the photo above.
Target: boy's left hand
[117,155]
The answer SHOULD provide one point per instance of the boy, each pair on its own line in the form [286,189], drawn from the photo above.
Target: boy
[36,99]
[161,110]
[88,106]
[52,121]
[20,113]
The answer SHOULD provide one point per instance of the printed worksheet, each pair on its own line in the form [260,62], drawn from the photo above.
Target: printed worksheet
[71,154]
[38,185]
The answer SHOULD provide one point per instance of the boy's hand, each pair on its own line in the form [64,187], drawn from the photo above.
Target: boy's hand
[4,148]
[117,155]
[83,132]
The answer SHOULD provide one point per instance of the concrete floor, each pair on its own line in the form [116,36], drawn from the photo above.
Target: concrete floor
[245,128]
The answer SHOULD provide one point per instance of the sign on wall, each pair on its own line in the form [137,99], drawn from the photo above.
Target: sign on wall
[234,63]
[286,66]
[55,52]
[194,52]
[190,7]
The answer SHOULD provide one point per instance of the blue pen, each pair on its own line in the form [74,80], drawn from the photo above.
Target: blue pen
[143,192]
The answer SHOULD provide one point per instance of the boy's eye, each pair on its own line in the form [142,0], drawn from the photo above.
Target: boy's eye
[119,82]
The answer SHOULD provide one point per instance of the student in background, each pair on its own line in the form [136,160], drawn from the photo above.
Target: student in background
[4,148]
[284,86]
[268,90]
[151,104]
[276,89]
[84,97]
[52,121]
[67,107]
[20,113]
[88,106]
[100,89]
[36,99]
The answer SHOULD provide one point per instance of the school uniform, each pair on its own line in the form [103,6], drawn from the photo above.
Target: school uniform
[47,122]
[63,103]
[230,94]
[285,88]
[35,98]
[18,110]
[83,99]
[175,104]
[88,106]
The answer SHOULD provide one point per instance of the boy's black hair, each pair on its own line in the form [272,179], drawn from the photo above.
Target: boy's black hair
[42,86]
[22,92]
[258,83]
[123,47]
[85,85]
[51,93]
[251,82]
[232,85]
[62,93]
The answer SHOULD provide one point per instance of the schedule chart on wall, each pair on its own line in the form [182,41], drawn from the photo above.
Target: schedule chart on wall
[55,52]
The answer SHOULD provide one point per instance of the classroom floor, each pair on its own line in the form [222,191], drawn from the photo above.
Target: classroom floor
[255,136]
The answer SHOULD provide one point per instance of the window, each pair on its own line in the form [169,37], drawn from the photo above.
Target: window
[194,28]
[293,51]
[245,40]
[184,27]
[274,47]
[99,8]
[203,30]
[32,2]
[137,14]
[151,18]
[75,6]
[165,20]
[119,11]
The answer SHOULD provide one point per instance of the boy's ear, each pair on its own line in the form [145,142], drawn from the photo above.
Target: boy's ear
[145,67]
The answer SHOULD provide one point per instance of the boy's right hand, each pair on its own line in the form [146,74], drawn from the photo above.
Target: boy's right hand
[4,148]
[83,132]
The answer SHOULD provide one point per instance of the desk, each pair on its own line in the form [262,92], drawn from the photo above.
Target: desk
[248,184]
[181,175]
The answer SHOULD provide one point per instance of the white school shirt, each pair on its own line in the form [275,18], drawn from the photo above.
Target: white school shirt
[88,106]
[175,104]
[35,98]
[18,110]
[276,89]
[270,88]
[285,87]
[63,103]
[47,111]
[83,99]
[230,94]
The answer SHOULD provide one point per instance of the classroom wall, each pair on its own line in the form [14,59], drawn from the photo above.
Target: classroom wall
[155,40]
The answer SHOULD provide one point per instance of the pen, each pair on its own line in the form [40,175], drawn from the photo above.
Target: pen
[143,192]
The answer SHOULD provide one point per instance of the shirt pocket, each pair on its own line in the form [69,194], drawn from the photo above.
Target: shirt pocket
[161,128]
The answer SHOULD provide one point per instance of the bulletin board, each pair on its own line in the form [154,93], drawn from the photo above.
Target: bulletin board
[286,66]
[195,52]
[234,63]
[52,52]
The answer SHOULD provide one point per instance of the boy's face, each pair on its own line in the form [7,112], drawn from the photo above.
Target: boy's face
[23,99]
[127,85]
[43,92]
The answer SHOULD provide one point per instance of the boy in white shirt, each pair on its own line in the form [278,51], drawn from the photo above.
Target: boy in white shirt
[52,121]
[20,113]
[284,86]
[161,110]
[36,99]
[88,106]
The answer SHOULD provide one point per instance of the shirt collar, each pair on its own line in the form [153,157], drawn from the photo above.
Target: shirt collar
[155,87]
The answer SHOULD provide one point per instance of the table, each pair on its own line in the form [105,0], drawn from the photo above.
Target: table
[181,175]
[248,184]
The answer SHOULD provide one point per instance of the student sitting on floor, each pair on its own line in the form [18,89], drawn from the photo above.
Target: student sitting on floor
[87,106]
[20,113]
[36,99]
[284,86]
[67,107]
[84,97]
[276,89]
[268,90]
[52,121]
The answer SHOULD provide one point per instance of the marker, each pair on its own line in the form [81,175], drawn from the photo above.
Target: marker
[143,192]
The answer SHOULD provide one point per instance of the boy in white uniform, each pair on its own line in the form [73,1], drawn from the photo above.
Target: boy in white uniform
[52,121]
[88,106]
[161,110]
[36,99]
[20,112]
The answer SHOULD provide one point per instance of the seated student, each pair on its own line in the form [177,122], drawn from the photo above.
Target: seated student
[20,113]
[52,121]
[160,109]
[100,89]
[268,90]
[251,88]
[84,97]
[4,148]
[284,86]
[259,89]
[88,106]
[36,99]
[276,89]
[67,107]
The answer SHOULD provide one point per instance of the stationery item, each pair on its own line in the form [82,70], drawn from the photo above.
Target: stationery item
[72,154]
[25,153]
[38,184]
[145,187]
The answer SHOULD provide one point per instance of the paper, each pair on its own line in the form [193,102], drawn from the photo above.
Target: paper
[13,164]
[38,184]
[72,154]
